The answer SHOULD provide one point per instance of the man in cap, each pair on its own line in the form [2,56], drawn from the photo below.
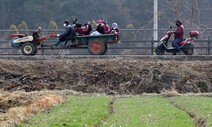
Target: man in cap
[68,35]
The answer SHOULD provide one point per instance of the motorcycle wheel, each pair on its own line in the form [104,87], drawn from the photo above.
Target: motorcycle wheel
[28,49]
[160,50]
[188,49]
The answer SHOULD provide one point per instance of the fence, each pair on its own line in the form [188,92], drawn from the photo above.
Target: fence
[133,42]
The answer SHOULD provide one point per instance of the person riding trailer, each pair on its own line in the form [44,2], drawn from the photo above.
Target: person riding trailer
[82,30]
[99,29]
[115,29]
[68,35]
[106,27]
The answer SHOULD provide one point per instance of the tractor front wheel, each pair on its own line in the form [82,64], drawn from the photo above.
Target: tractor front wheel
[28,49]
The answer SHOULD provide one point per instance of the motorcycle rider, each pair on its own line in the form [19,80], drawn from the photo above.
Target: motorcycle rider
[69,34]
[179,33]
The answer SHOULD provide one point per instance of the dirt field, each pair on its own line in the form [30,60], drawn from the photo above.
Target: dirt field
[110,76]
[28,87]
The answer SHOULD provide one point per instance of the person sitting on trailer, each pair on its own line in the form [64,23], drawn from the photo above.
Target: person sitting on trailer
[83,30]
[115,29]
[75,22]
[106,27]
[68,35]
[99,30]
[100,27]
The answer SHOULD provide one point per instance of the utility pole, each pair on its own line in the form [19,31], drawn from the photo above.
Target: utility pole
[4,14]
[155,32]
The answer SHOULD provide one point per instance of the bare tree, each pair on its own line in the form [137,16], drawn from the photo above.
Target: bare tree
[187,10]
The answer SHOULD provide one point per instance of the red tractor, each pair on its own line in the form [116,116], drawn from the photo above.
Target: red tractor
[28,44]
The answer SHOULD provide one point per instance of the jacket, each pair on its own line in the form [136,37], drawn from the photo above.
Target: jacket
[100,29]
[106,28]
[69,33]
[115,31]
[179,32]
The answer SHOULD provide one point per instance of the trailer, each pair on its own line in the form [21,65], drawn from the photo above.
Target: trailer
[98,44]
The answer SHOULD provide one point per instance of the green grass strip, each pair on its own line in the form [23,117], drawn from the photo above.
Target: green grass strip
[75,112]
[147,111]
[199,106]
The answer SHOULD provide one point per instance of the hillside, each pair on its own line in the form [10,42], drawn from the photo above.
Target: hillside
[138,12]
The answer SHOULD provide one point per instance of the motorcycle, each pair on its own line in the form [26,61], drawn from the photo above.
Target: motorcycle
[28,44]
[186,45]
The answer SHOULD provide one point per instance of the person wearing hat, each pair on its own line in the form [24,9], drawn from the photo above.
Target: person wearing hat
[115,29]
[106,27]
[68,35]
[100,28]
[75,22]
[179,33]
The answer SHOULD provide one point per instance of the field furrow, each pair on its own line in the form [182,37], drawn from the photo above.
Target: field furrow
[147,111]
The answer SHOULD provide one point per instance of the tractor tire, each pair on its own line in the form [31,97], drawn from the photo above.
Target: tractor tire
[188,49]
[160,50]
[97,48]
[28,49]
[106,49]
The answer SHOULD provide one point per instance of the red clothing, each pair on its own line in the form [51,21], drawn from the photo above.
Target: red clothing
[179,32]
[81,31]
[106,28]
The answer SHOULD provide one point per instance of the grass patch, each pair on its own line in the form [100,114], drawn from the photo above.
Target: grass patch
[75,112]
[200,107]
[137,111]
[147,111]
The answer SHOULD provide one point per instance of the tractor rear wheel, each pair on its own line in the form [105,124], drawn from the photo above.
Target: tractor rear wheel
[97,48]
[28,49]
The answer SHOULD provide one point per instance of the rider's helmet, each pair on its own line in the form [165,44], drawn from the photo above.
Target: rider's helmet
[66,23]
[114,25]
[178,22]
[99,22]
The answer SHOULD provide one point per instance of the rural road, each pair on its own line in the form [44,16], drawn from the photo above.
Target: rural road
[152,57]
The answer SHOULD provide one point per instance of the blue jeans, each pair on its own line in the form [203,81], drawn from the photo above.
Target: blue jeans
[175,44]
[59,42]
